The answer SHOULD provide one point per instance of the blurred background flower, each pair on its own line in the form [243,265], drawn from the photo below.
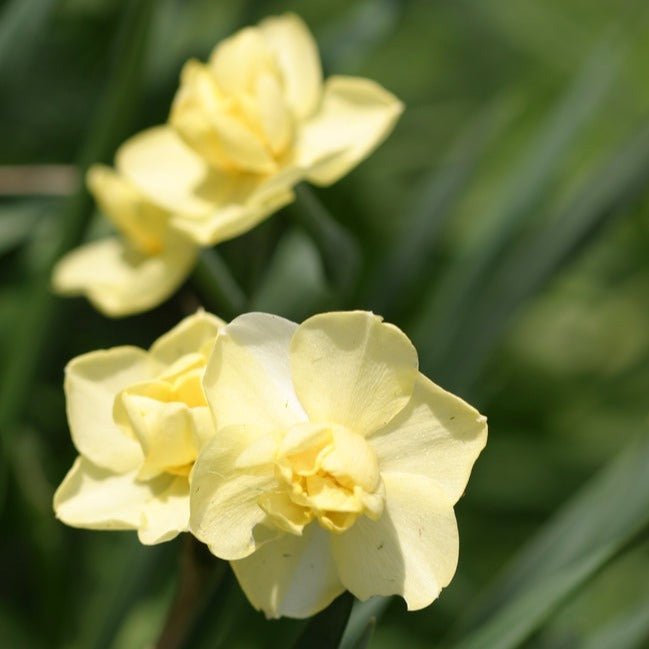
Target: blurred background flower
[504,226]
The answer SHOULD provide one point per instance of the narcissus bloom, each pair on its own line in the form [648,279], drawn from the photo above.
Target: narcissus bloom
[335,464]
[132,272]
[248,125]
[138,419]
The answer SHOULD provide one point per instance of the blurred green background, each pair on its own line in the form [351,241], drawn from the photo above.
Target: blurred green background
[504,226]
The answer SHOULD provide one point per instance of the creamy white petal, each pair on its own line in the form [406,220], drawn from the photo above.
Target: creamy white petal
[120,281]
[297,54]
[224,508]
[355,116]
[437,435]
[95,498]
[248,379]
[91,383]
[294,576]
[412,550]
[351,368]
[194,334]
[166,515]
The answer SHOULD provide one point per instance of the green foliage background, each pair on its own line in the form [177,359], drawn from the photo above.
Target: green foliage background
[504,226]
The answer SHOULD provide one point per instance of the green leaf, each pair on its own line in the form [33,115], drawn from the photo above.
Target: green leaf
[17,221]
[526,267]
[588,531]
[362,622]
[326,629]
[522,189]
[409,255]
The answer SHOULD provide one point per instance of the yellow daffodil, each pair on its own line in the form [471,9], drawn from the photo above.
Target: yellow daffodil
[133,272]
[335,464]
[251,123]
[138,419]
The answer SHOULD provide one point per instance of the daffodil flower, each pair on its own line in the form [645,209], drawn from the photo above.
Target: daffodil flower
[136,270]
[138,419]
[335,464]
[248,125]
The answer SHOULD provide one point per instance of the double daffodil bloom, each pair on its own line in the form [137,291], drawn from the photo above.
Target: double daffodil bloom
[335,464]
[136,270]
[248,125]
[138,419]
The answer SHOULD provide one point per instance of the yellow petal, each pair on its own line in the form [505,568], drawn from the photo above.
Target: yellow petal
[352,369]
[95,498]
[411,550]
[138,219]
[355,116]
[120,281]
[437,435]
[247,380]
[224,501]
[166,170]
[167,514]
[274,115]
[194,334]
[297,55]
[92,382]
[294,576]
[237,61]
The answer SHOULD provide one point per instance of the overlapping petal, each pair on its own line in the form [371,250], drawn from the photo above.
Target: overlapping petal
[350,368]
[355,116]
[412,550]
[224,500]
[118,279]
[292,576]
[91,383]
[248,379]
[437,435]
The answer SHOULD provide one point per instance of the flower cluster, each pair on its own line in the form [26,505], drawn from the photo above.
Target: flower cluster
[244,128]
[315,458]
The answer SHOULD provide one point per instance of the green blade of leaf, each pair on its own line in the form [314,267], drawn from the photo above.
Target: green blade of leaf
[408,256]
[534,261]
[435,327]
[326,629]
[598,522]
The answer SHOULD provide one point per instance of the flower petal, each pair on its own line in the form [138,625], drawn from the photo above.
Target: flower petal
[166,515]
[120,281]
[91,383]
[411,550]
[248,380]
[352,369]
[138,219]
[437,435]
[355,116]
[297,55]
[224,507]
[194,334]
[293,576]
[95,498]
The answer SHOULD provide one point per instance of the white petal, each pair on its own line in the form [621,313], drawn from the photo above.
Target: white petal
[352,369]
[297,54]
[167,515]
[95,498]
[120,281]
[412,550]
[248,379]
[437,435]
[223,502]
[355,116]
[91,383]
[294,576]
